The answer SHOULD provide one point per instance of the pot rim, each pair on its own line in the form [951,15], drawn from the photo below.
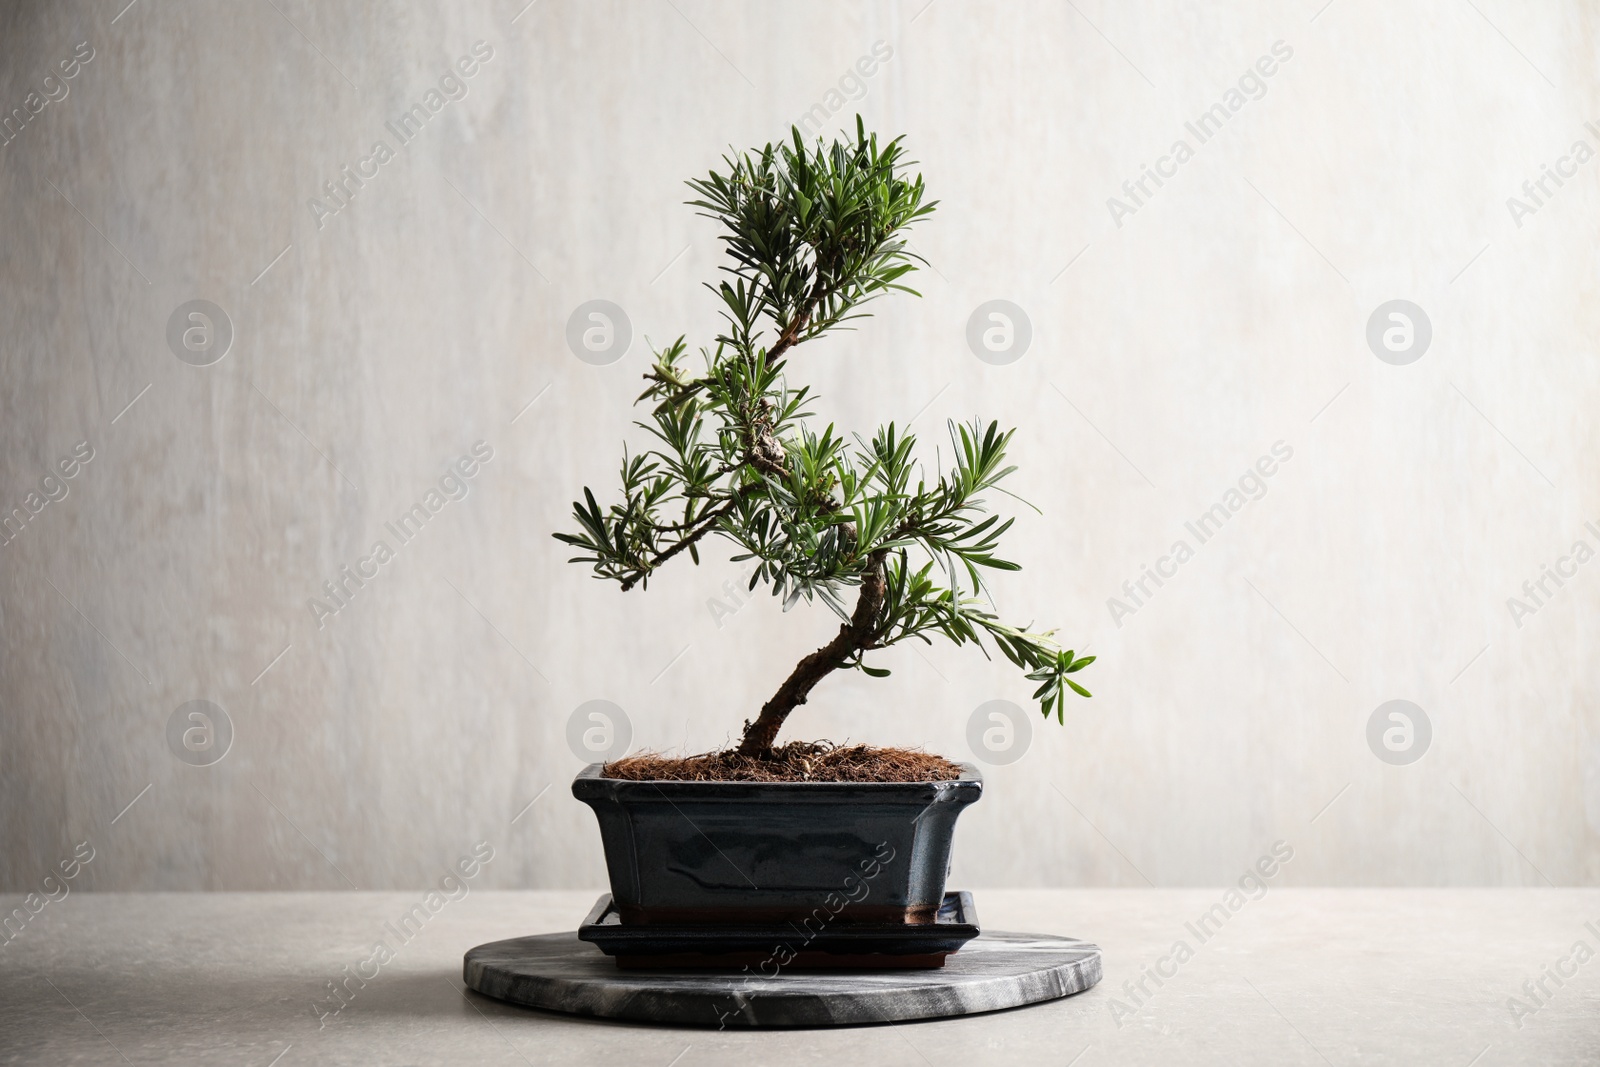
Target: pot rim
[970,778]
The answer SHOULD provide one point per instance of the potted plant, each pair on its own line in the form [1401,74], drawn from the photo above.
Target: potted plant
[766,831]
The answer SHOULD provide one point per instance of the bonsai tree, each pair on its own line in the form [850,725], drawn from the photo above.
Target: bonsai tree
[813,234]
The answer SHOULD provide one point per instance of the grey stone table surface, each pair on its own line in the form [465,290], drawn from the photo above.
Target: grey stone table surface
[1300,976]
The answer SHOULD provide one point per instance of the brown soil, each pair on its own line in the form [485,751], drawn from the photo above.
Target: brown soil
[798,761]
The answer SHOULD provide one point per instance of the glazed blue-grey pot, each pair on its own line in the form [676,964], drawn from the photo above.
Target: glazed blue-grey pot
[743,852]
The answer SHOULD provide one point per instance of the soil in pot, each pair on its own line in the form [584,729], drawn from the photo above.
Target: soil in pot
[798,761]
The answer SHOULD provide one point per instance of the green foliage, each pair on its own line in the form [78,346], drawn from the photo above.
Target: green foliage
[813,233]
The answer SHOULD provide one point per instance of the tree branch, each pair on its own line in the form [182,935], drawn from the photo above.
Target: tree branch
[787,339]
[710,522]
[852,638]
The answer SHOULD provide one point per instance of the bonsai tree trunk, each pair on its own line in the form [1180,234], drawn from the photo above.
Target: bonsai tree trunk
[853,637]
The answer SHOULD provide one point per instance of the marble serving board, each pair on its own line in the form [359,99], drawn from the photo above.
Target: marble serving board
[558,972]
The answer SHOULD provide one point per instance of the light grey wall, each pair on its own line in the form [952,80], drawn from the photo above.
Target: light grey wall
[375,345]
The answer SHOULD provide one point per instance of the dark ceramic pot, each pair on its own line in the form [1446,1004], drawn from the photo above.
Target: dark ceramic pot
[742,852]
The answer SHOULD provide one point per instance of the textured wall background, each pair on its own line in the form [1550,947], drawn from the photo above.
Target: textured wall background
[373,345]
